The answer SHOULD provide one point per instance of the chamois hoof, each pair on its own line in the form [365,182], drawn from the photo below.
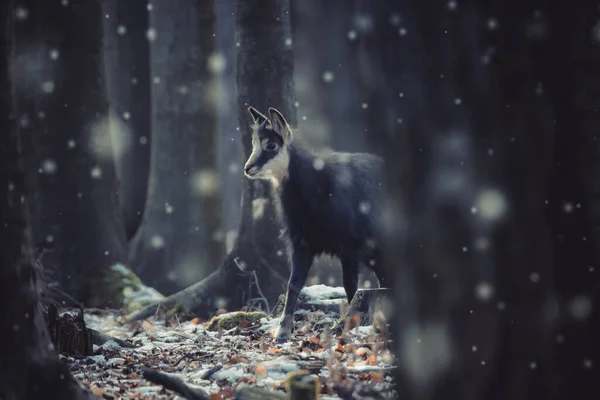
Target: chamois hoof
[282,335]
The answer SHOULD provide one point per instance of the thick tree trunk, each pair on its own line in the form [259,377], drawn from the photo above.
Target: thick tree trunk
[482,298]
[328,73]
[256,270]
[176,244]
[229,145]
[127,65]
[64,117]
[29,367]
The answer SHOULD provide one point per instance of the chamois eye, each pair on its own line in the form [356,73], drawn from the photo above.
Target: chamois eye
[271,146]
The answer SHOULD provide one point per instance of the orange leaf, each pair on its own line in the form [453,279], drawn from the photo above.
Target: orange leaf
[339,348]
[274,351]
[215,396]
[375,376]
[245,324]
[195,321]
[371,360]
[361,352]
[260,370]
[349,348]
[316,340]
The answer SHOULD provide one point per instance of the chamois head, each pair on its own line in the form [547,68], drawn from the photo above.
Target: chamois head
[270,139]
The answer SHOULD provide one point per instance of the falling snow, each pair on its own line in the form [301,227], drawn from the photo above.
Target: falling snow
[491,204]
[151,34]
[318,164]
[328,76]
[21,13]
[364,207]
[49,166]
[96,172]
[48,87]
[54,54]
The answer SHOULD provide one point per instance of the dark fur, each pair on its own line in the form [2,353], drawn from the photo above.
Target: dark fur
[322,213]
[323,216]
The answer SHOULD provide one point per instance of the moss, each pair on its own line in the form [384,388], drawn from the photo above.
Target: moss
[233,319]
[302,385]
[124,289]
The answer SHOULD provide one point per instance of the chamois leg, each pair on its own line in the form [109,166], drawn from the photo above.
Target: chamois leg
[350,275]
[301,262]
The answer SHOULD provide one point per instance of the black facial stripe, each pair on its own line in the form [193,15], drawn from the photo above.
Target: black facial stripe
[264,157]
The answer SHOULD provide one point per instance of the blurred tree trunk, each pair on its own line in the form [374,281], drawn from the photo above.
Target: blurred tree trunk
[29,367]
[327,72]
[127,65]
[63,114]
[573,52]
[229,143]
[176,244]
[256,270]
[494,251]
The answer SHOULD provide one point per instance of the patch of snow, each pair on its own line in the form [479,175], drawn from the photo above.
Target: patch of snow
[115,361]
[111,345]
[232,373]
[322,292]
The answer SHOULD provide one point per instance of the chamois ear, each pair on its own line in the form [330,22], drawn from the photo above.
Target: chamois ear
[256,115]
[280,125]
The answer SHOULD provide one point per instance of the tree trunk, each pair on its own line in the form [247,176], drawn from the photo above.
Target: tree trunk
[64,117]
[29,367]
[175,244]
[229,146]
[256,270]
[127,65]
[482,299]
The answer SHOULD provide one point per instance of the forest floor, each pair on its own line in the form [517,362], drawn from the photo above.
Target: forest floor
[218,362]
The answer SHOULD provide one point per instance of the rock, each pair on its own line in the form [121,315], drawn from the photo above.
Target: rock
[327,299]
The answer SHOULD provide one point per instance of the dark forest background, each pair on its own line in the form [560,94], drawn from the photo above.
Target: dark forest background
[124,130]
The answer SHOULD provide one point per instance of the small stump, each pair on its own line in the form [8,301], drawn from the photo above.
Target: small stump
[69,334]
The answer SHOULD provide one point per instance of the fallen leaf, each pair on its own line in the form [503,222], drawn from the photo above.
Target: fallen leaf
[362,352]
[260,370]
[375,376]
[316,340]
[195,321]
[274,351]
[245,324]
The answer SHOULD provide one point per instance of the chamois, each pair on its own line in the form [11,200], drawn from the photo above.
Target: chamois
[330,203]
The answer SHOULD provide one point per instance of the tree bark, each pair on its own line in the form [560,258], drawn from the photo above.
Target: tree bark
[29,367]
[63,116]
[127,65]
[229,146]
[478,237]
[256,270]
[175,244]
